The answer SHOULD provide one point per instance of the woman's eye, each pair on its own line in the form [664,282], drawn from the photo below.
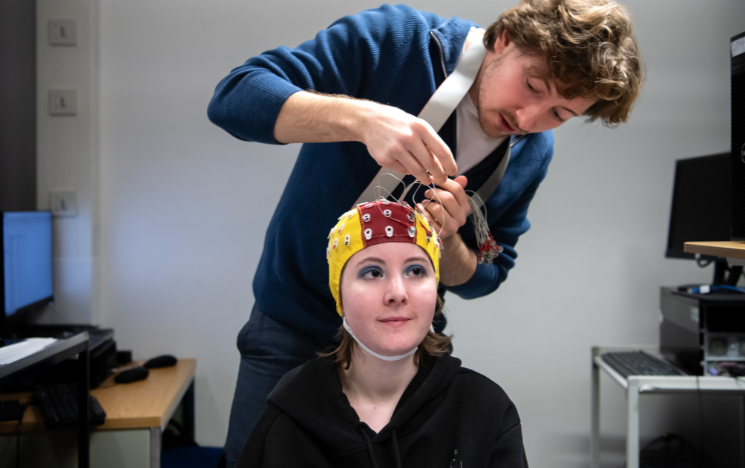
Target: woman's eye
[558,117]
[371,272]
[530,87]
[416,270]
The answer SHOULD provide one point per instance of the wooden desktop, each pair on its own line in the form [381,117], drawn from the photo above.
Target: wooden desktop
[734,250]
[136,415]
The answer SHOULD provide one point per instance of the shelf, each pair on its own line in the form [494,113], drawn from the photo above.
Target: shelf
[718,249]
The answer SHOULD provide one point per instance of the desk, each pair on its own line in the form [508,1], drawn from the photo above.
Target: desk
[51,355]
[635,385]
[136,415]
[733,251]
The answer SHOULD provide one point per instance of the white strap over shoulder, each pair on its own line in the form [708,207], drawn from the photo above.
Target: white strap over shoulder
[438,109]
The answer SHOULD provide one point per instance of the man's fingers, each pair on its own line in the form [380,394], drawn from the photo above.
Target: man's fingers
[428,160]
[441,223]
[436,213]
[414,167]
[454,188]
[441,152]
[453,207]
[397,166]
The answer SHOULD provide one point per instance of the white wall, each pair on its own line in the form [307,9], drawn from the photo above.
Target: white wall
[67,156]
[184,208]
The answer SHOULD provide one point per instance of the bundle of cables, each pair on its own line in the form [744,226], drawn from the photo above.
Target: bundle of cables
[706,289]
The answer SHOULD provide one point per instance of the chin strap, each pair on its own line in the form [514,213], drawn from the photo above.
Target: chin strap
[379,356]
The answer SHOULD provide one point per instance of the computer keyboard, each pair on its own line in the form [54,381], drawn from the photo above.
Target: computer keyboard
[59,404]
[629,363]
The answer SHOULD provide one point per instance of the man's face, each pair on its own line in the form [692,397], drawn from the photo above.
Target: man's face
[513,96]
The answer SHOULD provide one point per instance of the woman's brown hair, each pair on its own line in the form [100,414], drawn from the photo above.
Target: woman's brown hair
[432,345]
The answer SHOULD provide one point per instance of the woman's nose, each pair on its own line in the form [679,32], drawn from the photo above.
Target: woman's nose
[396,292]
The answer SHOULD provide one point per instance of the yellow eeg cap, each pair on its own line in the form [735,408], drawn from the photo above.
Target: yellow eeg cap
[376,223]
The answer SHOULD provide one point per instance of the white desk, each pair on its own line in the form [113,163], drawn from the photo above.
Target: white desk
[635,385]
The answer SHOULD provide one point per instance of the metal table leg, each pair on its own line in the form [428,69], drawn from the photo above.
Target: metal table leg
[632,431]
[188,406]
[155,446]
[83,433]
[595,423]
[742,431]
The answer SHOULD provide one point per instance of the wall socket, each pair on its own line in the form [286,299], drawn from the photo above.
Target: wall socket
[63,32]
[63,102]
[64,204]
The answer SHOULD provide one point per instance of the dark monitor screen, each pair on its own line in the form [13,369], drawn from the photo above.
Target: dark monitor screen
[27,260]
[701,203]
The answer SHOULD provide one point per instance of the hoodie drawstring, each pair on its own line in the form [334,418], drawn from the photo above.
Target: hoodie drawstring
[396,453]
[369,448]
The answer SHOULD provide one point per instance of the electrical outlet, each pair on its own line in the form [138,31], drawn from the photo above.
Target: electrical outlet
[63,32]
[63,102]
[64,204]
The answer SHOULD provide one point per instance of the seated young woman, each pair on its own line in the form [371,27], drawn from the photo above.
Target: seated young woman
[389,395]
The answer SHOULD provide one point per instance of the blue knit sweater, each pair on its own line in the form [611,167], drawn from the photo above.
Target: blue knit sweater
[393,55]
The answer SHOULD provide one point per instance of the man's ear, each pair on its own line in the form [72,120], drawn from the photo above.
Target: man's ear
[503,40]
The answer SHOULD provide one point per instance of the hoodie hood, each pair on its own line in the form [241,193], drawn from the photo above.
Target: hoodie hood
[321,408]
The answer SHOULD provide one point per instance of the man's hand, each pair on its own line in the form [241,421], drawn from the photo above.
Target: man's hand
[450,208]
[407,144]
[395,139]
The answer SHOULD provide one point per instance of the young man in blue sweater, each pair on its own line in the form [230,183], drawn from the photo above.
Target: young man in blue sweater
[352,94]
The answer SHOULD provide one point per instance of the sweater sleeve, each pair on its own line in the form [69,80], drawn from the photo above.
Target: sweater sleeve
[353,51]
[509,450]
[506,230]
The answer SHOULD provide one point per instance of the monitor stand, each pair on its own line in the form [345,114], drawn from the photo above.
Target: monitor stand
[724,274]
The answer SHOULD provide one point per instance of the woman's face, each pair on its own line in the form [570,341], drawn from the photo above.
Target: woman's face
[389,293]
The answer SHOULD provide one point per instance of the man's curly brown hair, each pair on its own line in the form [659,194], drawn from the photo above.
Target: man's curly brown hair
[589,48]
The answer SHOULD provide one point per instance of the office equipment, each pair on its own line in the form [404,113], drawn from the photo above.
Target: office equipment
[737,66]
[628,363]
[44,359]
[58,403]
[131,375]
[648,384]
[700,210]
[102,349]
[23,348]
[165,360]
[136,415]
[703,334]
[26,276]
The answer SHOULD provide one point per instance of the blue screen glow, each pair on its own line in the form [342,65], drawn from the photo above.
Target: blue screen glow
[27,258]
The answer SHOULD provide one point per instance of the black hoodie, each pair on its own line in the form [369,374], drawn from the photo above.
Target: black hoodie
[448,417]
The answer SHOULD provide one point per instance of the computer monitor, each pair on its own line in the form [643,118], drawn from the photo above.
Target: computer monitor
[701,203]
[26,276]
[700,212]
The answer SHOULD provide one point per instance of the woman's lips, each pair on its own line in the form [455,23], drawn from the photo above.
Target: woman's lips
[395,321]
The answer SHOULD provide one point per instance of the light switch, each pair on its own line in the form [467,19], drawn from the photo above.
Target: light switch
[63,102]
[63,203]
[63,32]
